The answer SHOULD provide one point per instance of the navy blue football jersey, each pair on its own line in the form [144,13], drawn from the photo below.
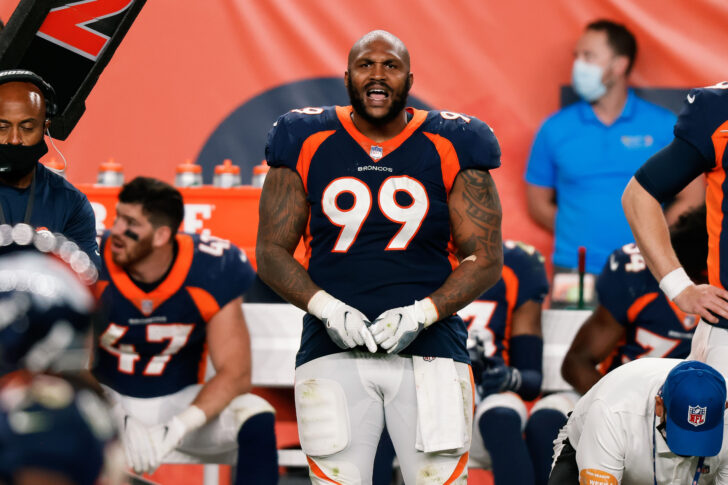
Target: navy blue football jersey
[378,235]
[154,344]
[46,423]
[489,317]
[703,123]
[654,326]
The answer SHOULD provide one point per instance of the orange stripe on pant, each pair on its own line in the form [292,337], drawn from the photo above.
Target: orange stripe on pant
[318,472]
[462,463]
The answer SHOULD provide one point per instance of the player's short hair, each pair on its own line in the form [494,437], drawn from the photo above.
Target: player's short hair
[619,38]
[160,202]
[689,237]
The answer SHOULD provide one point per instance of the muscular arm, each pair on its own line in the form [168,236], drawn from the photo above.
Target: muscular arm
[283,215]
[475,220]
[596,339]
[649,227]
[542,205]
[228,342]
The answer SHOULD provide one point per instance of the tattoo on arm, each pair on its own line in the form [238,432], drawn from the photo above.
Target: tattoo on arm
[475,219]
[482,209]
[283,215]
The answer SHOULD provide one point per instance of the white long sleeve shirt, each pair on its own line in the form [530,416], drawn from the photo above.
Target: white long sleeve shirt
[612,431]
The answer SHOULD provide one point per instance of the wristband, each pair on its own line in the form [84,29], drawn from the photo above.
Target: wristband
[318,303]
[674,282]
[192,418]
[429,311]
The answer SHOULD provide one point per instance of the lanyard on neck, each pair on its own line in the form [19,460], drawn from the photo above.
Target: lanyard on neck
[698,469]
[28,206]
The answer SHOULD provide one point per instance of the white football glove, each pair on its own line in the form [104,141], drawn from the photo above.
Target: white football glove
[395,329]
[166,437]
[347,326]
[138,446]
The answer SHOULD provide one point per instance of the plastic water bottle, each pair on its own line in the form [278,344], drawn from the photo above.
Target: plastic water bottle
[259,173]
[56,167]
[226,175]
[189,174]
[111,174]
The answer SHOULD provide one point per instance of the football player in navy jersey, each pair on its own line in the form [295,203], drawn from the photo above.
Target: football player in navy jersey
[634,318]
[505,322]
[701,134]
[171,299]
[401,222]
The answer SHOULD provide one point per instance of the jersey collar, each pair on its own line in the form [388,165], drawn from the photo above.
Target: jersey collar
[148,302]
[388,146]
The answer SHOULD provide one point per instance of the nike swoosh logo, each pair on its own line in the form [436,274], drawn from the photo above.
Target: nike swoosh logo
[613,263]
[691,98]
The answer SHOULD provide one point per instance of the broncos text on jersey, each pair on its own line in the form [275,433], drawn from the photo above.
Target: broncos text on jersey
[154,344]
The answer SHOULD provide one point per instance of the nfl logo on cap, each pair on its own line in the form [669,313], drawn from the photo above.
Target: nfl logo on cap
[694,398]
[696,415]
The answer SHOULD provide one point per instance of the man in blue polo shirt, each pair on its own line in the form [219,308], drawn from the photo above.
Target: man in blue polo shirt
[584,155]
[29,192]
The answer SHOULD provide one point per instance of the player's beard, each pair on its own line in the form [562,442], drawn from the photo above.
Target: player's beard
[131,255]
[399,102]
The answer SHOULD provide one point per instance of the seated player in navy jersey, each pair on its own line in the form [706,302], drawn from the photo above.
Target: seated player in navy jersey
[55,426]
[634,318]
[170,300]
[401,222]
[504,329]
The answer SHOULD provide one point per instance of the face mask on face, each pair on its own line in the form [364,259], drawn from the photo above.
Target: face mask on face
[16,161]
[587,80]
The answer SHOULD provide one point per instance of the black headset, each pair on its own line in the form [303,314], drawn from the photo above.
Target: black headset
[23,75]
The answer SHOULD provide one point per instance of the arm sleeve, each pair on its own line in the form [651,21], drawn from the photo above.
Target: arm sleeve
[282,147]
[230,275]
[527,355]
[474,141]
[668,171]
[541,169]
[81,229]
[485,152]
[602,442]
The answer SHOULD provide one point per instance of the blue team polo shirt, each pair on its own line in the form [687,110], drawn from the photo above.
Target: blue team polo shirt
[58,206]
[589,164]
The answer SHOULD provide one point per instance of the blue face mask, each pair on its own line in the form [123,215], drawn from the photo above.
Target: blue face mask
[586,80]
